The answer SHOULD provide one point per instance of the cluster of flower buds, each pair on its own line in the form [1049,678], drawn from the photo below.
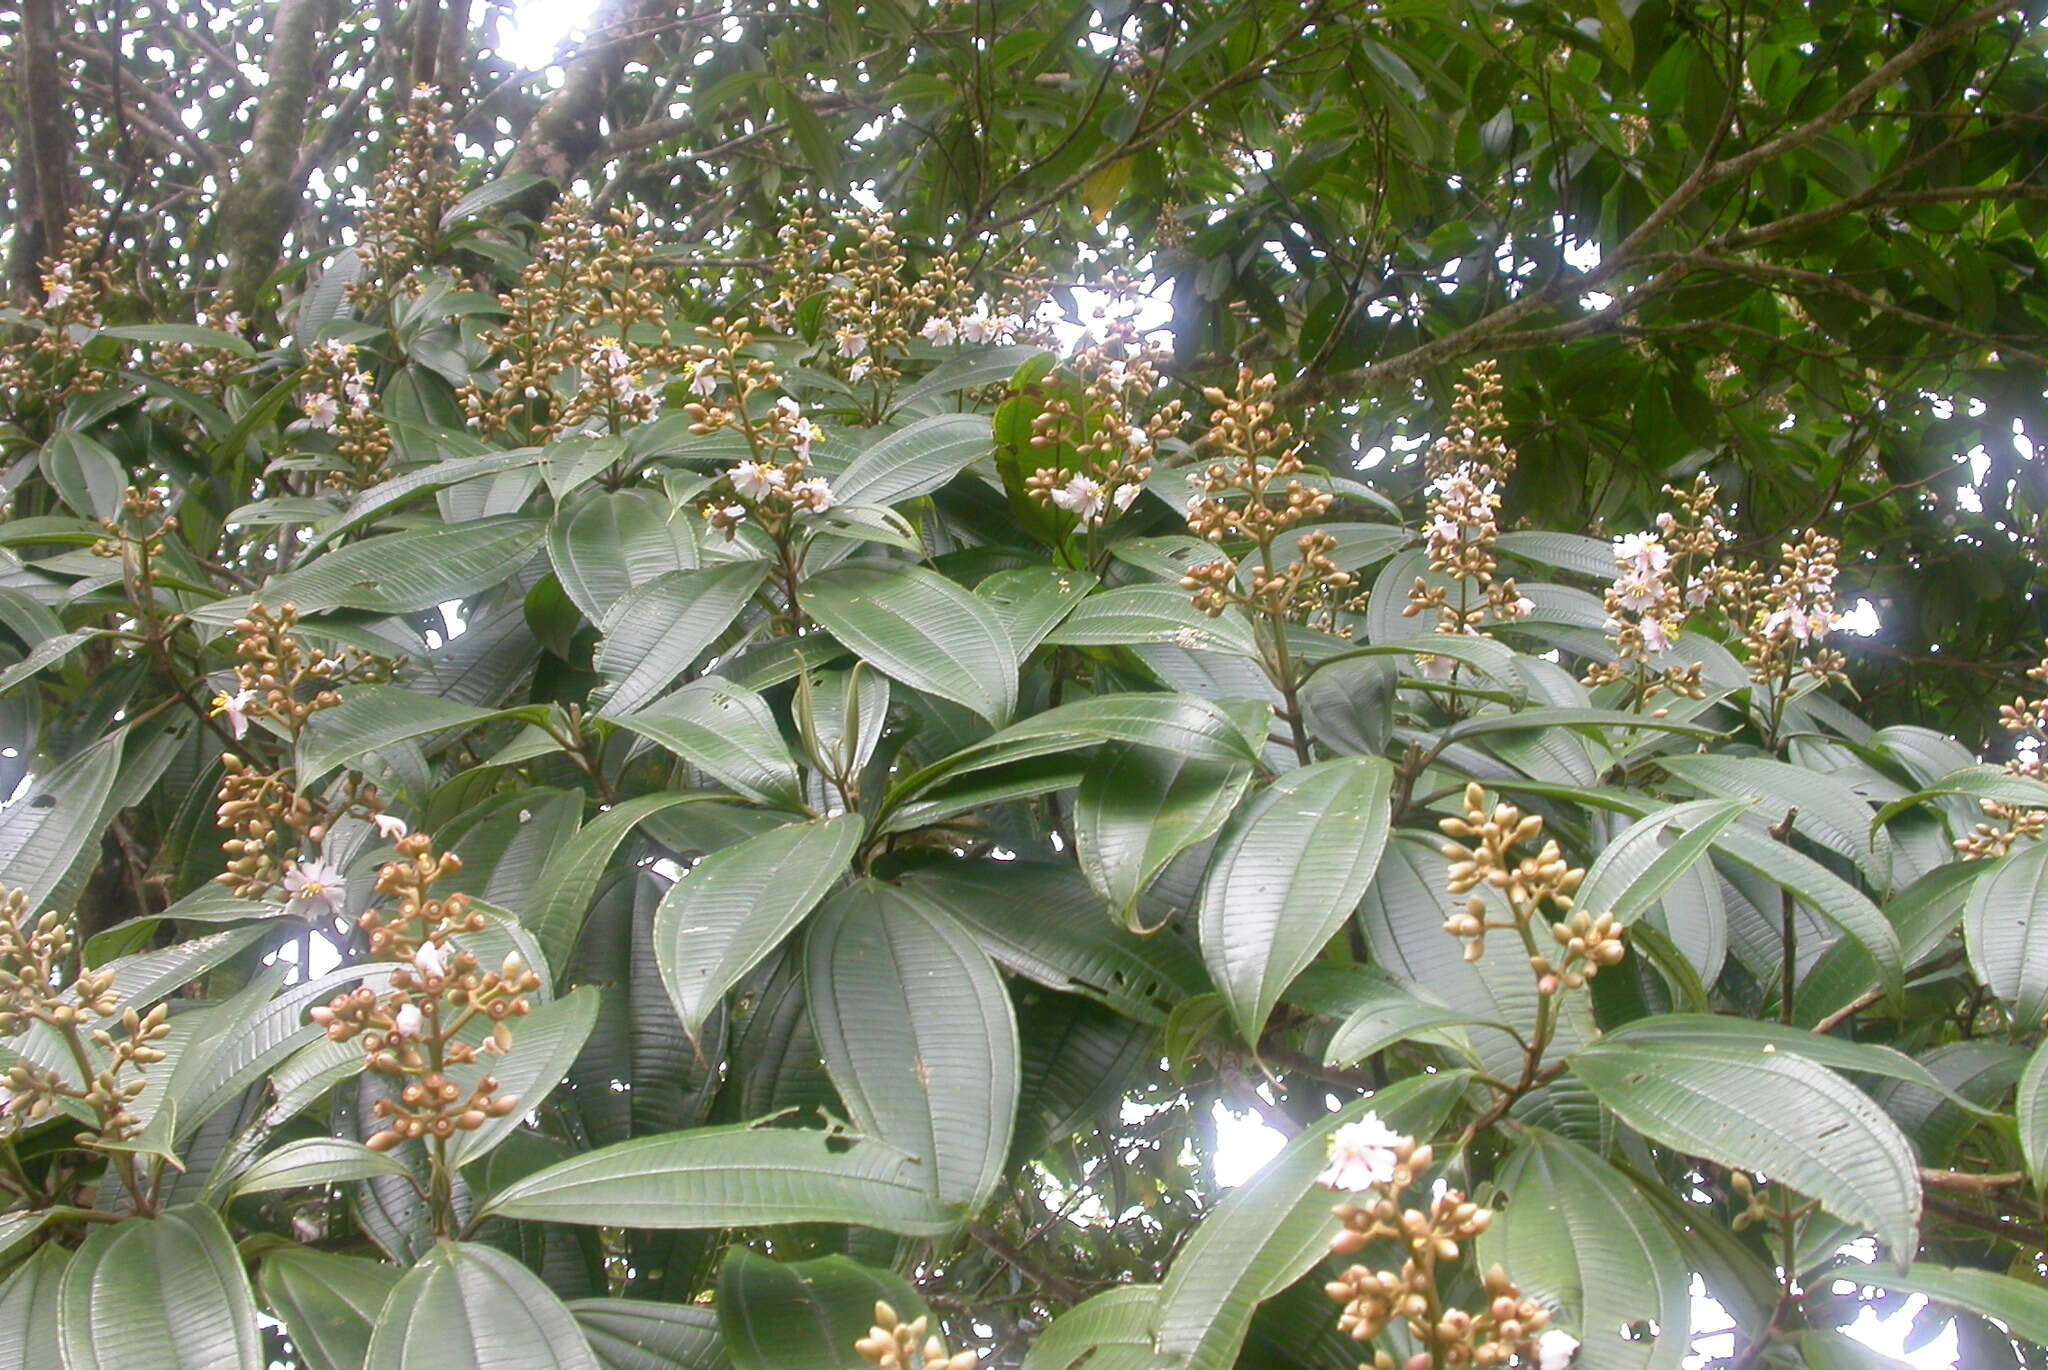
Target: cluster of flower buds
[1467,467]
[1646,608]
[1481,850]
[199,366]
[409,200]
[283,681]
[412,1031]
[136,539]
[775,488]
[1784,620]
[893,1344]
[1588,942]
[340,398]
[1370,1159]
[2027,720]
[33,956]
[591,286]
[44,369]
[1104,436]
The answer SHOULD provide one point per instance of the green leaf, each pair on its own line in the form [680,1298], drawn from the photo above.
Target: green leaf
[399,573]
[917,1033]
[740,1176]
[1140,807]
[372,717]
[439,476]
[614,540]
[917,627]
[1381,1012]
[2020,1305]
[545,1044]
[662,628]
[728,732]
[1031,601]
[1745,1035]
[1829,812]
[569,880]
[192,335]
[28,1311]
[1118,1317]
[1576,1237]
[635,1334]
[84,474]
[2031,1112]
[471,1307]
[495,191]
[1153,613]
[1287,872]
[46,830]
[738,904]
[1775,1113]
[314,1161]
[1634,870]
[803,1315]
[915,460]
[328,1303]
[166,1291]
[977,367]
[2000,921]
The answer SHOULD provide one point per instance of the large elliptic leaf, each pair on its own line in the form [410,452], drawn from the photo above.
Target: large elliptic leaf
[1031,601]
[2005,928]
[399,573]
[917,1033]
[28,1311]
[1138,808]
[1271,1230]
[2019,1304]
[1634,870]
[2031,1111]
[613,541]
[1577,1238]
[660,629]
[728,732]
[328,1303]
[570,879]
[312,1162]
[165,1292]
[1767,1111]
[737,1176]
[922,629]
[544,1045]
[370,717]
[736,905]
[803,1315]
[1153,613]
[914,460]
[1118,1317]
[471,1307]
[1287,871]
[1829,812]
[43,832]
[637,1334]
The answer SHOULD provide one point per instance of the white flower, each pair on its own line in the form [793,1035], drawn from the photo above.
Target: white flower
[1007,326]
[1434,667]
[1656,635]
[1125,496]
[1556,1349]
[59,294]
[941,330]
[232,323]
[732,516]
[1362,1154]
[814,494]
[235,708]
[754,479]
[858,372]
[704,378]
[390,826]
[802,436]
[1641,552]
[1521,608]
[1137,440]
[335,350]
[429,962]
[850,343]
[1637,590]
[320,408]
[978,328]
[607,355]
[408,1021]
[315,886]
[1081,496]
[789,409]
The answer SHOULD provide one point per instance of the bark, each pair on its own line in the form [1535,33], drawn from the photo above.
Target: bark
[43,148]
[258,209]
[426,40]
[567,132]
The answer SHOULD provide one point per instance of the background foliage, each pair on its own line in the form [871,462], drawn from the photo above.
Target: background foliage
[1004,861]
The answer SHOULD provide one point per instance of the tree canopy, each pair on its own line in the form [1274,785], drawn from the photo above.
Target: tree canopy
[704,704]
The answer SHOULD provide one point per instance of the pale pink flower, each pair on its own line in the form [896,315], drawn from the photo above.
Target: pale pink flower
[390,826]
[814,494]
[754,479]
[320,408]
[941,330]
[1081,496]
[316,887]
[408,1021]
[235,708]
[1362,1154]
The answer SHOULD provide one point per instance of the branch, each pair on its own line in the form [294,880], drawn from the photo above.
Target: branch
[257,210]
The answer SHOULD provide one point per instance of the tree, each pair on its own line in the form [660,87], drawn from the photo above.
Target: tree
[624,756]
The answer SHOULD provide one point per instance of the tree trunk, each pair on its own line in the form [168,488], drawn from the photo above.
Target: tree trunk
[257,210]
[566,132]
[43,146]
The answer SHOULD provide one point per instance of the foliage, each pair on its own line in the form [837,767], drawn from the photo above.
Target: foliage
[579,803]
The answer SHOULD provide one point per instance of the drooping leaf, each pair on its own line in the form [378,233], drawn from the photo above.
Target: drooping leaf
[328,1303]
[921,629]
[776,1316]
[28,1311]
[914,460]
[659,629]
[1140,807]
[312,1162]
[166,1291]
[2005,929]
[727,731]
[472,1307]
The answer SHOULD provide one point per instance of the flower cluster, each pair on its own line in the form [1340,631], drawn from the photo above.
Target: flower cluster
[408,201]
[413,1031]
[1104,436]
[773,487]
[1662,577]
[199,367]
[282,682]
[1481,851]
[1370,1159]
[136,540]
[46,366]
[583,330]
[1256,493]
[33,956]
[893,1344]
[1785,618]
[2027,720]
[1467,467]
[340,398]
